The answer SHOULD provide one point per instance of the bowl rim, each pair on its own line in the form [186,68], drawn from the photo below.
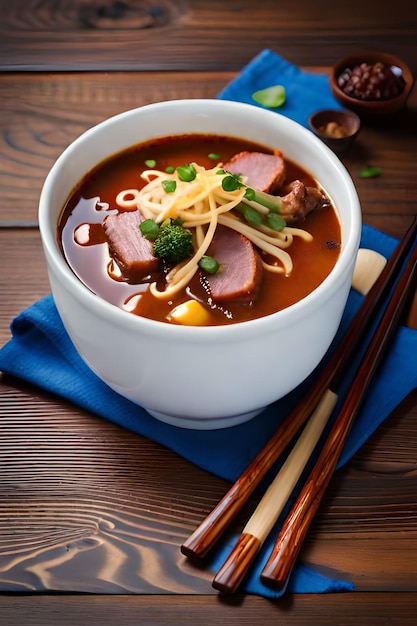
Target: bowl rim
[371,55]
[103,308]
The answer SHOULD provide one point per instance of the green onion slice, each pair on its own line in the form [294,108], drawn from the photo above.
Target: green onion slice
[208,264]
[251,215]
[271,97]
[370,171]
[149,229]
[169,185]
[150,163]
[186,173]
[250,194]
[273,203]
[276,222]
[231,183]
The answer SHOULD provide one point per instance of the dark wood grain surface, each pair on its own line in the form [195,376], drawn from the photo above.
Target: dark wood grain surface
[88,510]
[196,35]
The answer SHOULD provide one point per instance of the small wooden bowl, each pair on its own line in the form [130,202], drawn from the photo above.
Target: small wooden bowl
[337,128]
[377,108]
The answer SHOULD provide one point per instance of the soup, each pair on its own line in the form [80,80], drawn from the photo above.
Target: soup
[101,214]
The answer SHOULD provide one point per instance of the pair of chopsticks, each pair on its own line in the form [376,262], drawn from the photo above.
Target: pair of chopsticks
[318,403]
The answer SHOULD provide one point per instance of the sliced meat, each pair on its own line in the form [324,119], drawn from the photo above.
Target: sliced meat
[264,172]
[240,274]
[300,200]
[128,247]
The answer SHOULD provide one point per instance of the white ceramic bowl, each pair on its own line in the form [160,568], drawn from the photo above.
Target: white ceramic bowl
[200,377]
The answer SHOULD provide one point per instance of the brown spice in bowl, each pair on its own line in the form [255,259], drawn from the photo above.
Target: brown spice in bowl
[334,130]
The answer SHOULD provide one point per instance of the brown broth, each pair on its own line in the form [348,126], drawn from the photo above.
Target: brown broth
[96,194]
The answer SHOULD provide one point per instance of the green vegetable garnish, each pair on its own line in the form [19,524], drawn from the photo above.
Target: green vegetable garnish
[370,171]
[170,169]
[271,97]
[273,203]
[276,222]
[213,156]
[169,185]
[231,183]
[209,264]
[149,229]
[251,215]
[150,163]
[250,194]
[173,243]
[186,173]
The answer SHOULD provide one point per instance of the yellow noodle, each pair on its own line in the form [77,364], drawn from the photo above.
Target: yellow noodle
[299,232]
[130,204]
[181,275]
[202,204]
[270,267]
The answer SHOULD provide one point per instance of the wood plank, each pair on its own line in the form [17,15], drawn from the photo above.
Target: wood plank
[91,511]
[23,275]
[42,114]
[366,609]
[194,35]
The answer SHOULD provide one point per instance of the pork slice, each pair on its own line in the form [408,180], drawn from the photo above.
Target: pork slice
[240,274]
[264,172]
[128,247]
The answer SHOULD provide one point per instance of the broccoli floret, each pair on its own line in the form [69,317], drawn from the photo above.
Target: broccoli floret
[173,242]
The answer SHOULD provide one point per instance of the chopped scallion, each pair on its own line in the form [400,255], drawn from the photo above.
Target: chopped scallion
[271,97]
[251,215]
[213,156]
[170,169]
[149,229]
[150,163]
[271,202]
[209,264]
[276,222]
[169,185]
[231,183]
[186,173]
[370,171]
[249,194]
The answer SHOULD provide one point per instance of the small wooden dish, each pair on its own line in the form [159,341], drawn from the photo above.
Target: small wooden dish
[337,128]
[372,108]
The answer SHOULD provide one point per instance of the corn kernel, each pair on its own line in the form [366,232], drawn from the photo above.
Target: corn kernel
[190,313]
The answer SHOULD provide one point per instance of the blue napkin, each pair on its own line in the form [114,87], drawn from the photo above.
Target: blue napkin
[306,92]
[41,353]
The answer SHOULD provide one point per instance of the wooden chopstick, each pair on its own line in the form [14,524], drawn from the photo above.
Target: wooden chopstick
[202,540]
[232,572]
[281,561]
[270,507]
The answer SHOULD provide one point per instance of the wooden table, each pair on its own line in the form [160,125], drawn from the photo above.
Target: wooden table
[88,507]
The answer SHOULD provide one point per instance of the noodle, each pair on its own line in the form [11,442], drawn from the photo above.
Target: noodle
[128,199]
[201,204]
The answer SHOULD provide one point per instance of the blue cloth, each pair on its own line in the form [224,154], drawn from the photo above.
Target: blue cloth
[41,353]
[306,92]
